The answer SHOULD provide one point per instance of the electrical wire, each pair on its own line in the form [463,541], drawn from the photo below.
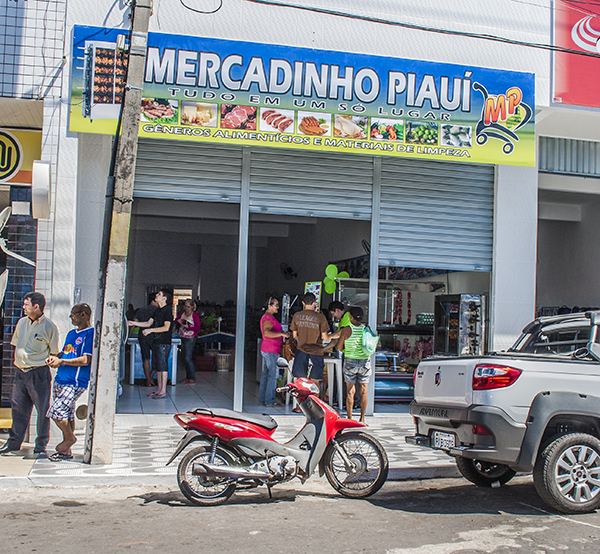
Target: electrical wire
[200,11]
[483,36]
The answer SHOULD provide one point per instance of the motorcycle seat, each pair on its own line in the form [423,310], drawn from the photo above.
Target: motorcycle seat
[263,420]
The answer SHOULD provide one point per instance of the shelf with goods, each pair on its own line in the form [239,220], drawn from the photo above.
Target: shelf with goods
[405,325]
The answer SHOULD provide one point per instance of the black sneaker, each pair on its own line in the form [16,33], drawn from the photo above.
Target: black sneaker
[6,448]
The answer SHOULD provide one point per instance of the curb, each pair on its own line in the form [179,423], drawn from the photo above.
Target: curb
[170,481]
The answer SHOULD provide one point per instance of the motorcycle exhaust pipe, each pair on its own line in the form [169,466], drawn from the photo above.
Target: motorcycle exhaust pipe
[227,472]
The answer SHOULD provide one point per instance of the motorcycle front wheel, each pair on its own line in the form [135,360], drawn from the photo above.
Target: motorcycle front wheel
[200,489]
[364,469]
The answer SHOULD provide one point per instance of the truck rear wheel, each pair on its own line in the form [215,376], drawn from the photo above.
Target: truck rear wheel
[484,474]
[567,473]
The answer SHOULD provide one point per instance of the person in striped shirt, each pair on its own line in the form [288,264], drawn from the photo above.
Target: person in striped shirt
[357,365]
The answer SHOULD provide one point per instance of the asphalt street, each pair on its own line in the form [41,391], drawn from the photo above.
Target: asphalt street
[435,516]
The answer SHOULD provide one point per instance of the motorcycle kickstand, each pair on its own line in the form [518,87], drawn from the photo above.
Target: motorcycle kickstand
[269,487]
[350,467]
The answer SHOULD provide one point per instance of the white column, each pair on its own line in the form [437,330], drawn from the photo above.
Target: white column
[374,272]
[515,246]
[240,327]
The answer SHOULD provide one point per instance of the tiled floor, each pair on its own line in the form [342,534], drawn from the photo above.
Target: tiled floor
[212,389]
[140,449]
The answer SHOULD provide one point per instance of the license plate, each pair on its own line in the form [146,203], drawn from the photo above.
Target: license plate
[443,441]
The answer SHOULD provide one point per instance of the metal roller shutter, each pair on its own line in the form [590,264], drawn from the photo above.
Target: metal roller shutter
[436,215]
[312,184]
[188,171]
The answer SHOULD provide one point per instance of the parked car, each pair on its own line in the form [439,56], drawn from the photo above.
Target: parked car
[535,407]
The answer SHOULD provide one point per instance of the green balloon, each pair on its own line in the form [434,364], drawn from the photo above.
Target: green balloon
[343,275]
[330,287]
[331,271]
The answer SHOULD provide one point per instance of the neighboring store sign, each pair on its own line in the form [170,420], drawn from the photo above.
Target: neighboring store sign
[18,150]
[576,77]
[224,91]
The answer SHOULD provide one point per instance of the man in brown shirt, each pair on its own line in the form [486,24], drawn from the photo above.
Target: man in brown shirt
[310,329]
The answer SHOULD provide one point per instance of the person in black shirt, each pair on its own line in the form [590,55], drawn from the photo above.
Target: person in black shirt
[160,325]
[144,314]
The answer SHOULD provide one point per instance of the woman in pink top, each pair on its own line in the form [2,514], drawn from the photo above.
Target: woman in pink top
[270,350]
[189,325]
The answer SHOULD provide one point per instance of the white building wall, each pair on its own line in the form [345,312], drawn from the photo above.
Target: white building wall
[515,239]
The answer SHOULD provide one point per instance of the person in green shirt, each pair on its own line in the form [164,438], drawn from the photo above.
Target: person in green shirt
[357,365]
[338,311]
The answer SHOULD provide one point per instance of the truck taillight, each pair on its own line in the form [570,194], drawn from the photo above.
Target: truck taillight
[490,376]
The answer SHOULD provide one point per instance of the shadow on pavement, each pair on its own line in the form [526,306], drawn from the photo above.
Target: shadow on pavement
[435,498]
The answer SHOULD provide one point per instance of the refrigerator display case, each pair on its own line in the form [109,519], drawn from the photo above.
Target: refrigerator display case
[460,325]
[405,325]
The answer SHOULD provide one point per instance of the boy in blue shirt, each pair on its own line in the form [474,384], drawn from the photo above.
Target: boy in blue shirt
[72,378]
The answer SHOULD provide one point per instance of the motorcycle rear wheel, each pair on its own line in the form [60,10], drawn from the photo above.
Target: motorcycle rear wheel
[201,490]
[370,465]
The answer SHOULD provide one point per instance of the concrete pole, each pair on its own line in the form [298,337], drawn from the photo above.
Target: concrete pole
[99,438]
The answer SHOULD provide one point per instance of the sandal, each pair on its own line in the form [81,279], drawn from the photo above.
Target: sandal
[59,457]
[155,396]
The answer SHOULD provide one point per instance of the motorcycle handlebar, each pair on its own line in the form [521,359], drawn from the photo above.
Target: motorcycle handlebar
[287,388]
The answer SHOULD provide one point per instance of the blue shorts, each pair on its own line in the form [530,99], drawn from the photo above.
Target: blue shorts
[300,367]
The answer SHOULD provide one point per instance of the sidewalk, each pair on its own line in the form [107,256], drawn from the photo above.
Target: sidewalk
[144,443]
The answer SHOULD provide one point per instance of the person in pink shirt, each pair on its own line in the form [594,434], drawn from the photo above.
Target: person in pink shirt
[270,349]
[189,325]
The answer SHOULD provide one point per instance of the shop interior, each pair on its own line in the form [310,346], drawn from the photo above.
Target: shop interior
[192,248]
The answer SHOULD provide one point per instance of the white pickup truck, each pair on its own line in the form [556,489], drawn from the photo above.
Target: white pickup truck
[535,407]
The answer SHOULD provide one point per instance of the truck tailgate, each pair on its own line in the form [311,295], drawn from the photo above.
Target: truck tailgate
[445,381]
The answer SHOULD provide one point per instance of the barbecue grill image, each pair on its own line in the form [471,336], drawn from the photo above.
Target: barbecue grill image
[103,80]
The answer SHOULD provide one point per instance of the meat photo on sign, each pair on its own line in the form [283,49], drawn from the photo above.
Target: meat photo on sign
[159,110]
[314,123]
[280,121]
[238,117]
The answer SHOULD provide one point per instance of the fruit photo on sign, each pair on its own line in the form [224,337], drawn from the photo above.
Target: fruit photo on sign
[387,129]
[421,133]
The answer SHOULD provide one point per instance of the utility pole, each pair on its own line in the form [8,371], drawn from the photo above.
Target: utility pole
[103,392]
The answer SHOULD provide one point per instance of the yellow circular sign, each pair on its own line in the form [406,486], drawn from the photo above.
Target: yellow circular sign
[11,155]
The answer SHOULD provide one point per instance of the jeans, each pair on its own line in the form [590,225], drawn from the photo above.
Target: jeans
[187,351]
[268,379]
[29,389]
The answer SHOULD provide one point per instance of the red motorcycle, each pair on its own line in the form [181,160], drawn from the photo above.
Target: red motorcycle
[239,451]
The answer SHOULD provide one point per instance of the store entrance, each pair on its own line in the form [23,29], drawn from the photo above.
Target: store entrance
[190,248]
[286,253]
